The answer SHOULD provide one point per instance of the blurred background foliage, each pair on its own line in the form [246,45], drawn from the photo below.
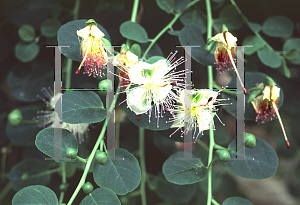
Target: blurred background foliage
[26,65]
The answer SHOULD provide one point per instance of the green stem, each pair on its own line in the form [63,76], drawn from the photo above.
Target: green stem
[91,157]
[215,202]
[219,147]
[75,10]
[64,181]
[143,164]
[167,27]
[81,159]
[45,172]
[134,10]
[248,23]
[133,19]
[210,86]
[4,191]
[211,163]
[202,144]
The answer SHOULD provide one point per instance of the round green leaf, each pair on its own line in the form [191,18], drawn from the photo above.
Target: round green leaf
[31,166]
[255,27]
[230,17]
[26,83]
[269,58]
[80,107]
[166,5]
[26,33]
[121,175]
[191,35]
[26,52]
[50,27]
[136,49]
[254,41]
[263,166]
[48,141]
[133,31]
[292,44]
[278,26]
[156,123]
[67,36]
[236,201]
[173,192]
[101,196]
[24,134]
[252,79]
[192,16]
[33,195]
[181,172]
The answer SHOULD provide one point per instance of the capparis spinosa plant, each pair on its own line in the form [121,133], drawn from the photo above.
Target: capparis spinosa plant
[149,105]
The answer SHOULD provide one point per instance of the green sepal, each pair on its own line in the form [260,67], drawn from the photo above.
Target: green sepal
[268,81]
[91,22]
[253,95]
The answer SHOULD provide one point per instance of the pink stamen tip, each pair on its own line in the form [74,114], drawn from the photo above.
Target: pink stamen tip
[77,71]
[287,144]
[245,91]
[138,117]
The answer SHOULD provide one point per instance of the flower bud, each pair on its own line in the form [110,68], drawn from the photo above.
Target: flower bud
[101,157]
[71,153]
[15,117]
[250,140]
[87,187]
[223,155]
[25,177]
[105,86]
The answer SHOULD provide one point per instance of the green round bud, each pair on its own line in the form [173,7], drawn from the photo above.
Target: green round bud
[25,177]
[71,153]
[87,187]
[223,155]
[250,140]
[105,86]
[101,157]
[15,117]
[63,187]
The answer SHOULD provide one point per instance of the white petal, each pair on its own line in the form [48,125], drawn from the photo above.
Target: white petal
[138,101]
[135,72]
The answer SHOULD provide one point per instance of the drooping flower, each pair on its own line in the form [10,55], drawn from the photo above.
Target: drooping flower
[225,41]
[266,107]
[225,53]
[196,110]
[94,56]
[49,116]
[124,61]
[156,84]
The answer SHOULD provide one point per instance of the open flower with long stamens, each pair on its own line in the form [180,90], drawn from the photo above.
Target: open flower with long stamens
[266,107]
[94,56]
[156,84]
[49,116]
[196,110]
[225,53]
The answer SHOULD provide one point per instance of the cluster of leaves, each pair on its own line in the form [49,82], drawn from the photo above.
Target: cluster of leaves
[178,181]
